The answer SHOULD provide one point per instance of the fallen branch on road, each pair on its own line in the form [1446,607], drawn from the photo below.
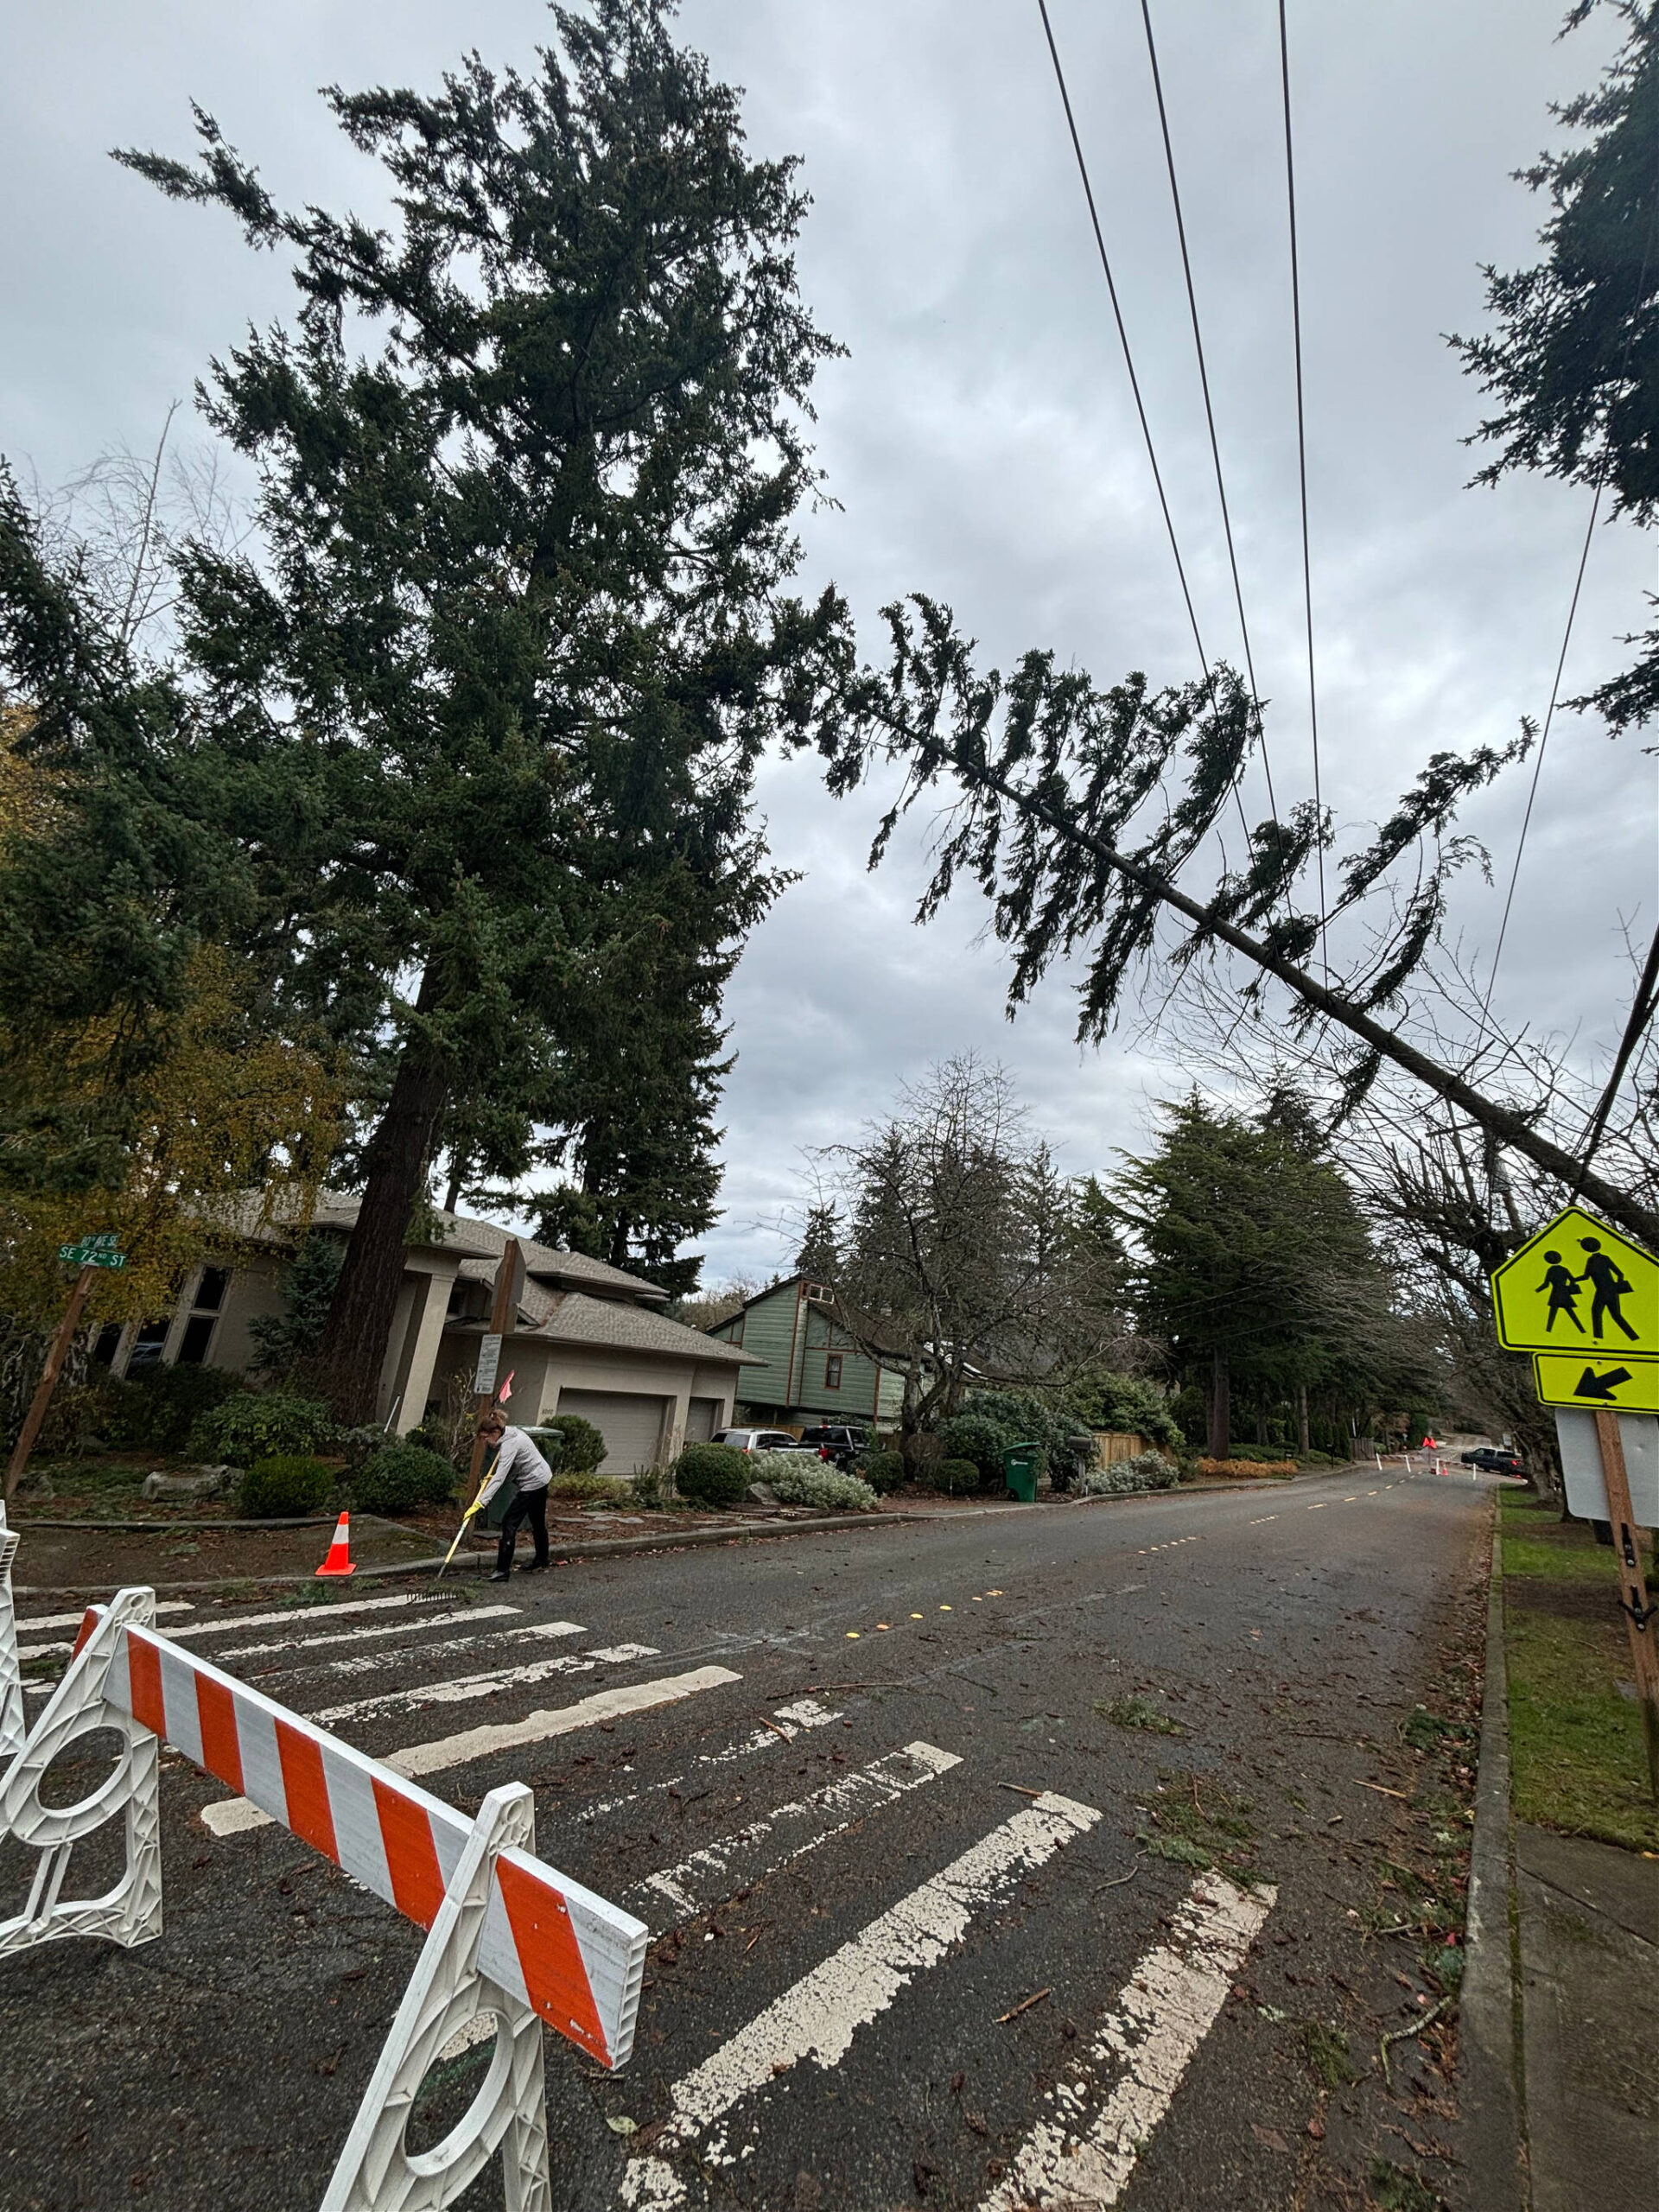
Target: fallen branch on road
[1405,2035]
[1024,2006]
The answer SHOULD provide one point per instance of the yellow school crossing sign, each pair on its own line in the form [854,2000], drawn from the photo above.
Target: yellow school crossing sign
[1580,1289]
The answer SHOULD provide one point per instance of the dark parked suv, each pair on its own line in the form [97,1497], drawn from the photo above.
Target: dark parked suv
[841,1443]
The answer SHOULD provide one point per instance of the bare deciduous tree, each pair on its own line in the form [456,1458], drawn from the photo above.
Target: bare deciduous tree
[962,1256]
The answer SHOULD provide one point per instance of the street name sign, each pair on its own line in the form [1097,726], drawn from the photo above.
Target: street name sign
[1578,1286]
[1569,1378]
[100,1251]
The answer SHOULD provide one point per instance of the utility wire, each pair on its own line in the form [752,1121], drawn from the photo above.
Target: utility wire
[1301,465]
[1644,1006]
[1538,758]
[1208,410]
[1135,387]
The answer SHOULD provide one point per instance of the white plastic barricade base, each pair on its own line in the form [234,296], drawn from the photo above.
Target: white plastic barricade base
[506,1936]
[131,1912]
[12,1730]
[377,2171]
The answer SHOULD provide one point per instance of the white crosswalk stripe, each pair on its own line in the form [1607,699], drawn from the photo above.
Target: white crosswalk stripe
[821,2015]
[709,1876]
[461,1688]
[360,1635]
[1145,2045]
[232,1815]
[787,1723]
[380,1662]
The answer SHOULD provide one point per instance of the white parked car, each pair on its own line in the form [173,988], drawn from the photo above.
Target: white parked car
[759,1440]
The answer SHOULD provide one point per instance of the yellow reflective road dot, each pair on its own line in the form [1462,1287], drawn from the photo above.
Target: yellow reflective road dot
[918,1616]
[882,1624]
[947,1609]
[852,1635]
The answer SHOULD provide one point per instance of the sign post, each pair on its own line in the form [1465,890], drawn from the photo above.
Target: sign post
[509,1282]
[1585,1302]
[1639,1614]
[91,1254]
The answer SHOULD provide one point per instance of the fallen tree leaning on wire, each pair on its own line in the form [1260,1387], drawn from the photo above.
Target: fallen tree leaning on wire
[1076,810]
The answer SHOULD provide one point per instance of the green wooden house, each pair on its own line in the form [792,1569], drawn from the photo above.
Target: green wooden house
[811,1370]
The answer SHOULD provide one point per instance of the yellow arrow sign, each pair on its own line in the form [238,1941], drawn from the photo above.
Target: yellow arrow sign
[1579,1285]
[1569,1378]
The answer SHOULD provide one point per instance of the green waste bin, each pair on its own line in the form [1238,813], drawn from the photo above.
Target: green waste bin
[1019,1471]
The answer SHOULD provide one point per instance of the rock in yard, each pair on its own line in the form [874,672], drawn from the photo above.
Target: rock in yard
[208,1484]
[763,1493]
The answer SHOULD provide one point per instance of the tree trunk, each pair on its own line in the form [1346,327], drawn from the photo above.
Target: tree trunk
[1301,1421]
[1221,1408]
[365,1297]
[1261,1418]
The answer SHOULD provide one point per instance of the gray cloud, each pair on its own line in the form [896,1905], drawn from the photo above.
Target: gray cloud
[980,438]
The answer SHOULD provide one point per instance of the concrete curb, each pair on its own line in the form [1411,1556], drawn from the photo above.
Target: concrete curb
[1488,2028]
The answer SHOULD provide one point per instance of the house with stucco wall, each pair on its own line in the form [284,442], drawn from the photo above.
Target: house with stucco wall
[585,1337]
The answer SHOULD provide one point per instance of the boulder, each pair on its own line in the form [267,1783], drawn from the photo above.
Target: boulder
[763,1493]
[209,1483]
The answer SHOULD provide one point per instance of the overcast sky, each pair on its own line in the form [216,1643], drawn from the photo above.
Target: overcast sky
[980,439]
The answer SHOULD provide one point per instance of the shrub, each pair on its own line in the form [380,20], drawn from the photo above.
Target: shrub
[1247,1467]
[978,1438]
[802,1478]
[1146,1470]
[1124,1403]
[570,1444]
[155,1409]
[284,1486]
[953,1477]
[255,1425]
[715,1474]
[586,1488]
[402,1477]
[883,1470]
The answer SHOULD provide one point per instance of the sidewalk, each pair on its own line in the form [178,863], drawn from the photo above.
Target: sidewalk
[1560,2027]
[1589,1943]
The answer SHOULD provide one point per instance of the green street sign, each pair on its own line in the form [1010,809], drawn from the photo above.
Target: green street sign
[100,1251]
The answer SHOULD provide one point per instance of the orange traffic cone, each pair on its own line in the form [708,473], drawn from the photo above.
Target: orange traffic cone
[339,1561]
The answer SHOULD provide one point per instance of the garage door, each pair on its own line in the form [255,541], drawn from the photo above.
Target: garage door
[702,1420]
[630,1424]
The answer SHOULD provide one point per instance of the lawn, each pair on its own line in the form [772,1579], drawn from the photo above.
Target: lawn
[1577,1746]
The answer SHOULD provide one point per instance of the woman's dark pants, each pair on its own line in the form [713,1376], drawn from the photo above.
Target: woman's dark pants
[527,1506]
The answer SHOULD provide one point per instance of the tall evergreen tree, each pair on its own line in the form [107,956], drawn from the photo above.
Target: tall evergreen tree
[1254,1263]
[529,456]
[1573,361]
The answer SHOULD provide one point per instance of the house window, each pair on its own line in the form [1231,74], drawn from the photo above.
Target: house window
[832,1371]
[108,1344]
[210,1293]
[147,1345]
[198,1335]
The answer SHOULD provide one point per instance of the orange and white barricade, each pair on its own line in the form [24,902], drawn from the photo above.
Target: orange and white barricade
[506,1935]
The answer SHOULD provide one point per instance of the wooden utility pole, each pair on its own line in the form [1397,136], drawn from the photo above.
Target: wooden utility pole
[41,1403]
[509,1282]
[1639,1614]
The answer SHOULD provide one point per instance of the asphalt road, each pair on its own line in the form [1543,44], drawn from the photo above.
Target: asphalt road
[934,1924]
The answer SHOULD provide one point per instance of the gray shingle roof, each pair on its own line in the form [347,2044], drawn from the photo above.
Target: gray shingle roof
[576,1319]
[473,1239]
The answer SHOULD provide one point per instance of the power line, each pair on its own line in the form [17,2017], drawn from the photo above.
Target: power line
[1302,464]
[1208,410]
[1644,1006]
[1135,385]
[1538,759]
